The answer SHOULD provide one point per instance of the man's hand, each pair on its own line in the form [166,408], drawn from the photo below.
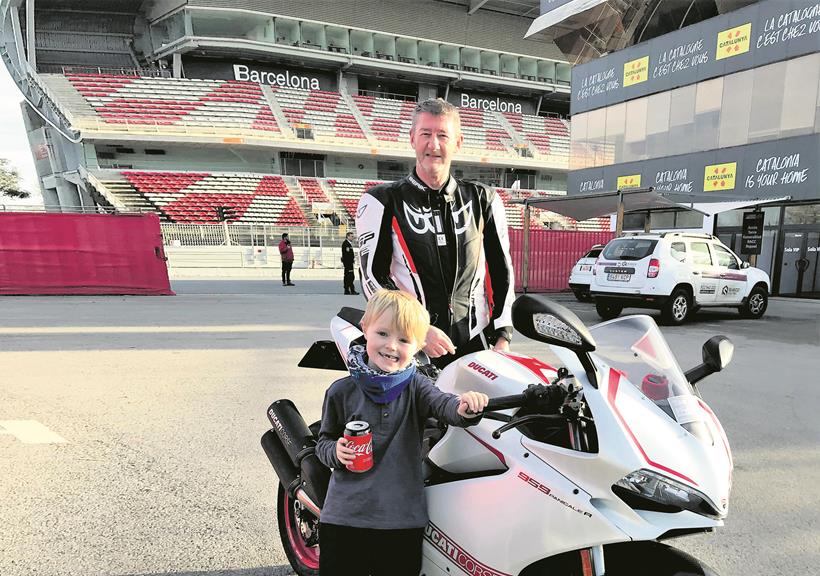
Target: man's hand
[474,401]
[438,343]
[502,345]
[343,453]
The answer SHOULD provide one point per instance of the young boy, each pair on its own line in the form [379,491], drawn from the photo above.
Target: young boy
[373,522]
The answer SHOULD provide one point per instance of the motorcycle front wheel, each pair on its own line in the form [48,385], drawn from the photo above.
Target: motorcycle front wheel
[299,533]
[625,559]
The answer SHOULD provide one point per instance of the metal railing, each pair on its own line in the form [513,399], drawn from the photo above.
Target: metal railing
[114,71]
[251,235]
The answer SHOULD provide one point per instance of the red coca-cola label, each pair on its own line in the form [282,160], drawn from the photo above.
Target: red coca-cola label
[360,439]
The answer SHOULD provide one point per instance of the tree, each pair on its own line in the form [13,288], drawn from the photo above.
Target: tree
[10,181]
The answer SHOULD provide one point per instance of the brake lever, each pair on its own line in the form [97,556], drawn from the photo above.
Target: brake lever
[513,423]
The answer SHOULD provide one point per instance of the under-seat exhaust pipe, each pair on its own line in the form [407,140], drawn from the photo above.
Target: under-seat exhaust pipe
[286,471]
[294,454]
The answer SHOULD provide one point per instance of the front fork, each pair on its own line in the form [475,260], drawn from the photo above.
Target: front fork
[592,561]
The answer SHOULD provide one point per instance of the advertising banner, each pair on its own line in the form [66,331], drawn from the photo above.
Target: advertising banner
[259,73]
[785,167]
[765,32]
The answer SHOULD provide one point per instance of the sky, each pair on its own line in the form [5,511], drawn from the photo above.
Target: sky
[13,139]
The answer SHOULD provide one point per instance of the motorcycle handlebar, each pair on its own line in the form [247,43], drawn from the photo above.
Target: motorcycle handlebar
[504,402]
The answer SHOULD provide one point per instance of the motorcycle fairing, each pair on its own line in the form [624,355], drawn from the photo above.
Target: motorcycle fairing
[525,495]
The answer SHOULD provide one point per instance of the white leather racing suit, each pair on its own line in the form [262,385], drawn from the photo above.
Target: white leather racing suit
[447,247]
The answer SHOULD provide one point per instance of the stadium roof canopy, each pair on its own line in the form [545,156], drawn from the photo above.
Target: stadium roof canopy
[526,8]
[588,29]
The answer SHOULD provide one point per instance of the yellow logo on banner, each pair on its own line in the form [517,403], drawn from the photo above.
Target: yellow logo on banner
[733,41]
[636,71]
[719,177]
[633,181]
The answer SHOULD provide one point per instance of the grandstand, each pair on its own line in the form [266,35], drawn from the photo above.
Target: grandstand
[282,119]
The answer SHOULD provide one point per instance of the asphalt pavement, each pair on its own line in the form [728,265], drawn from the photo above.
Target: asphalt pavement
[149,412]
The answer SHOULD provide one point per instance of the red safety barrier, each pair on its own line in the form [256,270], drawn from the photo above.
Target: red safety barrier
[47,253]
[552,254]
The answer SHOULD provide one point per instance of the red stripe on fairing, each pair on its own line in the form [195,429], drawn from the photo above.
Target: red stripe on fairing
[403,245]
[614,380]
[498,454]
[534,365]
[720,429]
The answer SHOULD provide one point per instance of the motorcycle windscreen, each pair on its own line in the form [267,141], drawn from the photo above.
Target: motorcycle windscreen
[635,346]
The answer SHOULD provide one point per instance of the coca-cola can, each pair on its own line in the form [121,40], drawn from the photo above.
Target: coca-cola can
[360,439]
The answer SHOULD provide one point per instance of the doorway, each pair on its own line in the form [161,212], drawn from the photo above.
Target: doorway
[799,270]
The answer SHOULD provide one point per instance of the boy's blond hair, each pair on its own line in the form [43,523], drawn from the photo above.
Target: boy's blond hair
[409,317]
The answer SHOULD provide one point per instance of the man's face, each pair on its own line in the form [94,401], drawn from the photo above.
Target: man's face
[349,236]
[435,139]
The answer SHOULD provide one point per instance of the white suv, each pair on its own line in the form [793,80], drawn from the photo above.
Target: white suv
[581,276]
[677,273]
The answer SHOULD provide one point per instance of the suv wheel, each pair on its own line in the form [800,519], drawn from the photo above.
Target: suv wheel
[756,303]
[677,308]
[607,310]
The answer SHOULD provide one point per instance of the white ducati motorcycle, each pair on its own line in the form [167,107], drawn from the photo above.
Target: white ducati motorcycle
[580,470]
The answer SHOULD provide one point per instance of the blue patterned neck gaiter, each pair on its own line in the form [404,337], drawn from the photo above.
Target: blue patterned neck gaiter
[380,387]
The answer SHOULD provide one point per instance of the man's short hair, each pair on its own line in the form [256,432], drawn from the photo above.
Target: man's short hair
[409,317]
[437,107]
[348,234]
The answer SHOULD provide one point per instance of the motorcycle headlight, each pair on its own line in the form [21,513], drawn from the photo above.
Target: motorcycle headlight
[648,490]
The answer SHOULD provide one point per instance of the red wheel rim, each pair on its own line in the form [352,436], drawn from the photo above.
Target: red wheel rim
[308,555]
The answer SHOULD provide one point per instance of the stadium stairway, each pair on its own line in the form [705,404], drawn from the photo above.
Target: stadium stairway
[360,118]
[281,119]
[517,139]
[302,200]
[111,183]
[67,95]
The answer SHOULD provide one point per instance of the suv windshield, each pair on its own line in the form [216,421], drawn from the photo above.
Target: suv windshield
[635,346]
[593,253]
[629,249]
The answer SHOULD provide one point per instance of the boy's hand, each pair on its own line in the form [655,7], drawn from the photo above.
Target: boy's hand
[475,402]
[343,453]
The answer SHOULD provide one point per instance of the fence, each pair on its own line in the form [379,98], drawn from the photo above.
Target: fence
[552,254]
[317,247]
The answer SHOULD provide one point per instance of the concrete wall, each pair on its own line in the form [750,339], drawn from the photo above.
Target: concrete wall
[223,159]
[339,167]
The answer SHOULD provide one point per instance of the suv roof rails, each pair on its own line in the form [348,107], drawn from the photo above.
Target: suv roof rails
[689,235]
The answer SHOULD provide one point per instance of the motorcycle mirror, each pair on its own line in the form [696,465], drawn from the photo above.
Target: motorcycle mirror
[718,352]
[539,318]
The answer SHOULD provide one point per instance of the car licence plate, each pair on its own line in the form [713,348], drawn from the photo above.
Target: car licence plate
[618,277]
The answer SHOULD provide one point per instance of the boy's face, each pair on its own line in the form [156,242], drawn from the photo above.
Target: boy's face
[387,348]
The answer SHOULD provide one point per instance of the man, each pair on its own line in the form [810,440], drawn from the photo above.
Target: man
[442,240]
[348,259]
[287,259]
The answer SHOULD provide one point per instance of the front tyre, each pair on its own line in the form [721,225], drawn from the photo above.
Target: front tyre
[625,559]
[299,533]
[677,308]
[607,310]
[630,558]
[755,304]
